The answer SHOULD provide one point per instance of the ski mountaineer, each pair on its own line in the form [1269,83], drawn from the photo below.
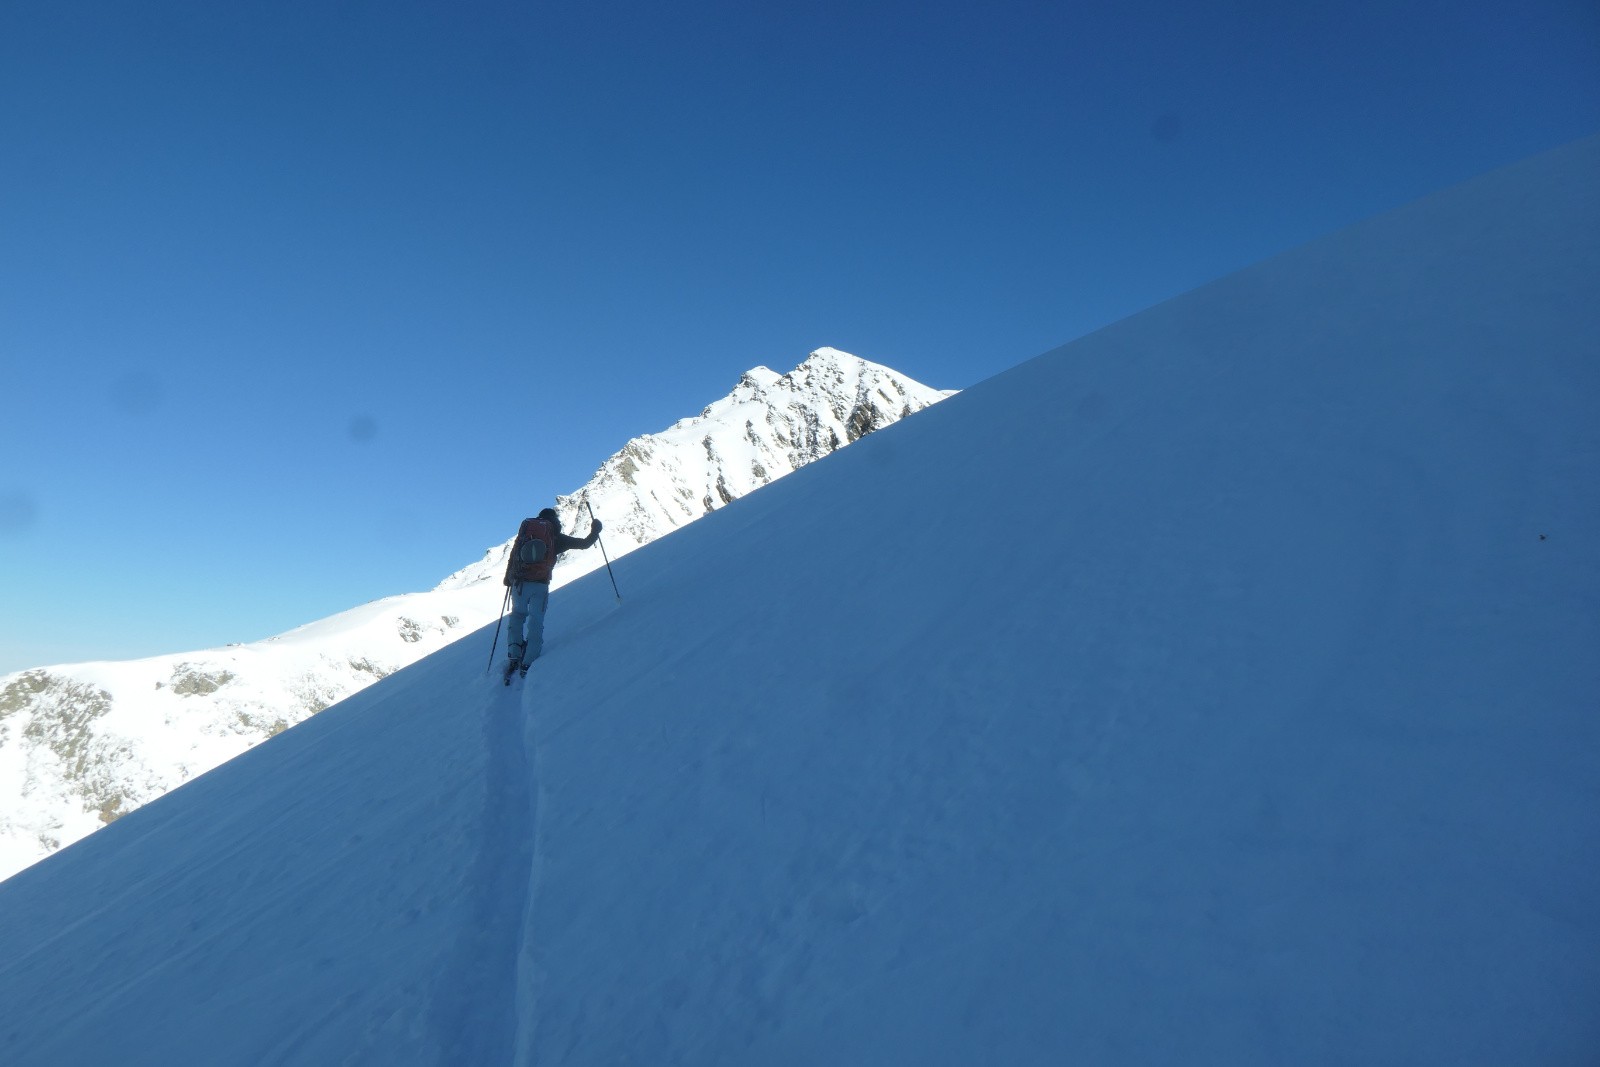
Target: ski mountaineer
[533,558]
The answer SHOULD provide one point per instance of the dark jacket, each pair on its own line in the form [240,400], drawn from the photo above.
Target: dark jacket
[564,542]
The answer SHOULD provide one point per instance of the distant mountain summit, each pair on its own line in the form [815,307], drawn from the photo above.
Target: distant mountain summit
[82,744]
[770,425]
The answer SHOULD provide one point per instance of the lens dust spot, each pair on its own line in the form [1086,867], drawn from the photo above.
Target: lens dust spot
[19,513]
[363,428]
[1166,128]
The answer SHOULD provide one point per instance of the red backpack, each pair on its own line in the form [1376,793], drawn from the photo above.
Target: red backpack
[533,555]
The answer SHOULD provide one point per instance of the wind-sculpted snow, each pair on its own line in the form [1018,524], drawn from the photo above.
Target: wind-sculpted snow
[1254,726]
[63,774]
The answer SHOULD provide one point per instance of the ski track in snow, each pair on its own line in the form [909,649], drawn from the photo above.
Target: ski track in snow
[528,977]
[481,1021]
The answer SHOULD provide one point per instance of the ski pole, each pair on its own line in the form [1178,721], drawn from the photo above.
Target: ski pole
[503,605]
[603,555]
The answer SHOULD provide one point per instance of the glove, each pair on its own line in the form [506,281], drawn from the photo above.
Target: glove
[594,527]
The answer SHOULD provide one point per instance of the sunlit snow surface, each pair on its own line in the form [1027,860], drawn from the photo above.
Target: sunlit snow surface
[1220,688]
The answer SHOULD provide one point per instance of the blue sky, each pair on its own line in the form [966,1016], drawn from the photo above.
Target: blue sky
[303,304]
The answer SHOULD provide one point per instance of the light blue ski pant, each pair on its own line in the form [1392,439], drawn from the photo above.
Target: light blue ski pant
[528,601]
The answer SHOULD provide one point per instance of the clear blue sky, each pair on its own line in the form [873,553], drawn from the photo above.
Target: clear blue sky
[303,304]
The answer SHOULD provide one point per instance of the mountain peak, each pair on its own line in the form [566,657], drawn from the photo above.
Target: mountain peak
[768,425]
[753,383]
[831,358]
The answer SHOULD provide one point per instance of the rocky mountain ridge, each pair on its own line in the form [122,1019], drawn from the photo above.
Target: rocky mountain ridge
[769,425]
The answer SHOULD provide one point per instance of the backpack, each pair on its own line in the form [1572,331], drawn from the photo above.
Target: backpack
[533,556]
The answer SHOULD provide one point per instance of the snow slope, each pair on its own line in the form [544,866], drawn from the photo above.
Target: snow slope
[1217,689]
[83,744]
